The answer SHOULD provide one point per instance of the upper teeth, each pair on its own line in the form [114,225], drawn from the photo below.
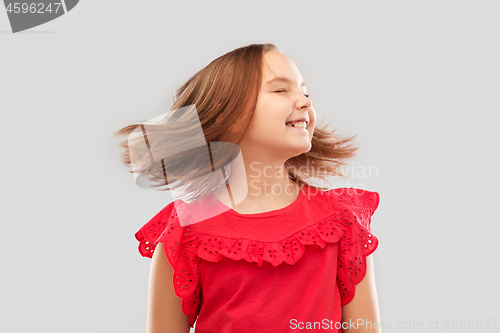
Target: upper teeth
[298,124]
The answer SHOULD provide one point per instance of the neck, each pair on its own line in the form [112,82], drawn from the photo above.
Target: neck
[258,184]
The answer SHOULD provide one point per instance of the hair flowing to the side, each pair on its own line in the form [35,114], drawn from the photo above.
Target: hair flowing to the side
[224,94]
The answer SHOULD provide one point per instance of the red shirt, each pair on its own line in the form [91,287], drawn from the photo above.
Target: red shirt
[278,271]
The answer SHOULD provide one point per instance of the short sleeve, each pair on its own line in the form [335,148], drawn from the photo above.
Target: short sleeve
[180,249]
[354,213]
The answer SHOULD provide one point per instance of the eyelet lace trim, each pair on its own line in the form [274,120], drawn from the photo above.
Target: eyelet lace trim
[185,247]
[357,241]
[180,247]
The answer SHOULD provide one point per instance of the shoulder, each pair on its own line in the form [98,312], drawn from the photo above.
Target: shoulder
[164,232]
[340,199]
[353,212]
[350,206]
[169,224]
[354,197]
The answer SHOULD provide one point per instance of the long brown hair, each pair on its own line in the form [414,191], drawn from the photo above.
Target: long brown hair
[224,94]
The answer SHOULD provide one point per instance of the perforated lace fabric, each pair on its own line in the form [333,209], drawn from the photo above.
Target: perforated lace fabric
[346,220]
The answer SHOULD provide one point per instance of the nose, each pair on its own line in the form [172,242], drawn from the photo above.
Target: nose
[303,102]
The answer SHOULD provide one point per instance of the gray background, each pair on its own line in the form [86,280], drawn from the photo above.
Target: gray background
[417,81]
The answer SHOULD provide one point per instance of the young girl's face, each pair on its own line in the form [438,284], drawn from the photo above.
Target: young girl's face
[282,99]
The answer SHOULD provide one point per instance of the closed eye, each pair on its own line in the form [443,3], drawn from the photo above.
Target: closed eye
[283,90]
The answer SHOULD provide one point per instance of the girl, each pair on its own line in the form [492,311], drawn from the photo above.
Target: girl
[289,255]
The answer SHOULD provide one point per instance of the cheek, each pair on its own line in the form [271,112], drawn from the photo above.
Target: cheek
[270,116]
[264,127]
[312,117]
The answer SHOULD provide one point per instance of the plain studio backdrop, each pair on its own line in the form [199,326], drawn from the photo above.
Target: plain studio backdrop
[418,82]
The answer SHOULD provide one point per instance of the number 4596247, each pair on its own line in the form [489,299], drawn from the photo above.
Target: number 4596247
[470,324]
[24,7]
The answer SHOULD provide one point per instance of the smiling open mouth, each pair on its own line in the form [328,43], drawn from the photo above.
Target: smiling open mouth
[300,124]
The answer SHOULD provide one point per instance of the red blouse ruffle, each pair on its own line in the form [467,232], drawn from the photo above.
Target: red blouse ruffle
[348,224]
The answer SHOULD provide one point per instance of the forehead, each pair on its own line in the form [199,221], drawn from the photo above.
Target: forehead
[276,64]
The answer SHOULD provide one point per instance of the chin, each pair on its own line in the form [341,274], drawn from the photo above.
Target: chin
[301,149]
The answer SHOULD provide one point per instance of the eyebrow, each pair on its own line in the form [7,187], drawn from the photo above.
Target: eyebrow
[284,80]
